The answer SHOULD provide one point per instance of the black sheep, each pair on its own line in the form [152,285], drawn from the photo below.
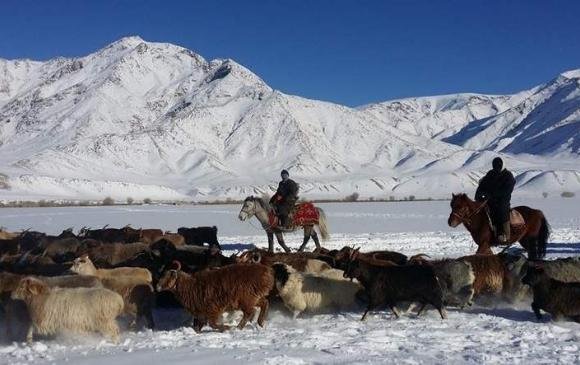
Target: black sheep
[558,298]
[388,285]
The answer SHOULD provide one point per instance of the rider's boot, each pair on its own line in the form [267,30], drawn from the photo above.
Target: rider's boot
[283,220]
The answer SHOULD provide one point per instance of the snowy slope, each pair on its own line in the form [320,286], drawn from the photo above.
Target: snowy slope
[547,122]
[156,120]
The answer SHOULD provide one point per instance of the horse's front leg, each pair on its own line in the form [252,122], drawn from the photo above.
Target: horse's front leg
[484,249]
[280,239]
[270,241]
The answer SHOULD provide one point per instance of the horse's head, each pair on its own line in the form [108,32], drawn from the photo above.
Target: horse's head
[248,208]
[460,209]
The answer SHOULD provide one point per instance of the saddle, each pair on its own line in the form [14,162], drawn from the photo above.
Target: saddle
[517,221]
[300,215]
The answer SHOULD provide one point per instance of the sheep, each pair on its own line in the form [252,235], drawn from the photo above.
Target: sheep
[299,261]
[15,313]
[456,278]
[311,292]
[79,310]
[84,266]
[208,293]
[392,284]
[558,298]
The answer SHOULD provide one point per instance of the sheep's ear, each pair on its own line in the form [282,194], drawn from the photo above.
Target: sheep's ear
[33,286]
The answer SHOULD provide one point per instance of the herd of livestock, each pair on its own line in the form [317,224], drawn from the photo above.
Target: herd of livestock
[83,282]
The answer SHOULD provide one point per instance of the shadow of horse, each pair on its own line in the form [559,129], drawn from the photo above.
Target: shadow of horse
[564,248]
[237,246]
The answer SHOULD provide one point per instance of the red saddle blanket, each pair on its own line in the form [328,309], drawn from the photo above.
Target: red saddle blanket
[303,214]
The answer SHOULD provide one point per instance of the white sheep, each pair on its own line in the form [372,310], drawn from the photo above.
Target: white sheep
[84,266]
[314,292]
[316,266]
[77,310]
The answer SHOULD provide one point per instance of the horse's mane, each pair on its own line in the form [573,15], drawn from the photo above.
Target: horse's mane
[262,201]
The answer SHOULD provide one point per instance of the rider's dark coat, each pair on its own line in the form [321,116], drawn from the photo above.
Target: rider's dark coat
[497,187]
[286,196]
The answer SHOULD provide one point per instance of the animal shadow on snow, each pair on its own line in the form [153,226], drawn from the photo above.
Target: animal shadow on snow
[563,248]
[237,246]
[513,314]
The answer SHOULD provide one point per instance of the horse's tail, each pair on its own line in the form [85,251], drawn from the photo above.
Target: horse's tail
[323,224]
[543,236]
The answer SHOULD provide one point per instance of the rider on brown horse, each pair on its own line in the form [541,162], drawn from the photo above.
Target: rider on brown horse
[496,187]
[285,198]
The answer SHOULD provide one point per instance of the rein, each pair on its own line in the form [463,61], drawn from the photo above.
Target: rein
[266,227]
[467,219]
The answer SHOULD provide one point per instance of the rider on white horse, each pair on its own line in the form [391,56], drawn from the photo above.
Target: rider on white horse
[285,198]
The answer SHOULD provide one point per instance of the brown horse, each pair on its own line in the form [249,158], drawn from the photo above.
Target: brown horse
[533,235]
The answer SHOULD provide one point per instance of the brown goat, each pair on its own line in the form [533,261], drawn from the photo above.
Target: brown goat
[208,293]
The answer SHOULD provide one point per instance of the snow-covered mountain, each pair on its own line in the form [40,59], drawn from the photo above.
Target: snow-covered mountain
[156,120]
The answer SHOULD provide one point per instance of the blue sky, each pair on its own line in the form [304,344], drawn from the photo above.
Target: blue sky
[350,52]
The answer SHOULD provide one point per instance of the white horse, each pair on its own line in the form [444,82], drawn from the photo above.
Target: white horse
[258,207]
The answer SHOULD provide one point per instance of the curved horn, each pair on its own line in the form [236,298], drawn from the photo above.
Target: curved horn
[420,256]
[257,257]
[177,265]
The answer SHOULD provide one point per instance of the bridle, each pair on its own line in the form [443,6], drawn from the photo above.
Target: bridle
[466,219]
[246,210]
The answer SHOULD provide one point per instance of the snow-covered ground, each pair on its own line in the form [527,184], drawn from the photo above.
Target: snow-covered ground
[498,334]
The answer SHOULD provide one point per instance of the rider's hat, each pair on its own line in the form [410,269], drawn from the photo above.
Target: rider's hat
[497,164]
[284,172]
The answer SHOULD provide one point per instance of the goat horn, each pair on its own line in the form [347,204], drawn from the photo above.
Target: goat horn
[177,265]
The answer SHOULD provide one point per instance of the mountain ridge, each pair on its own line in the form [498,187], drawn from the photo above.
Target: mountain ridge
[161,117]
